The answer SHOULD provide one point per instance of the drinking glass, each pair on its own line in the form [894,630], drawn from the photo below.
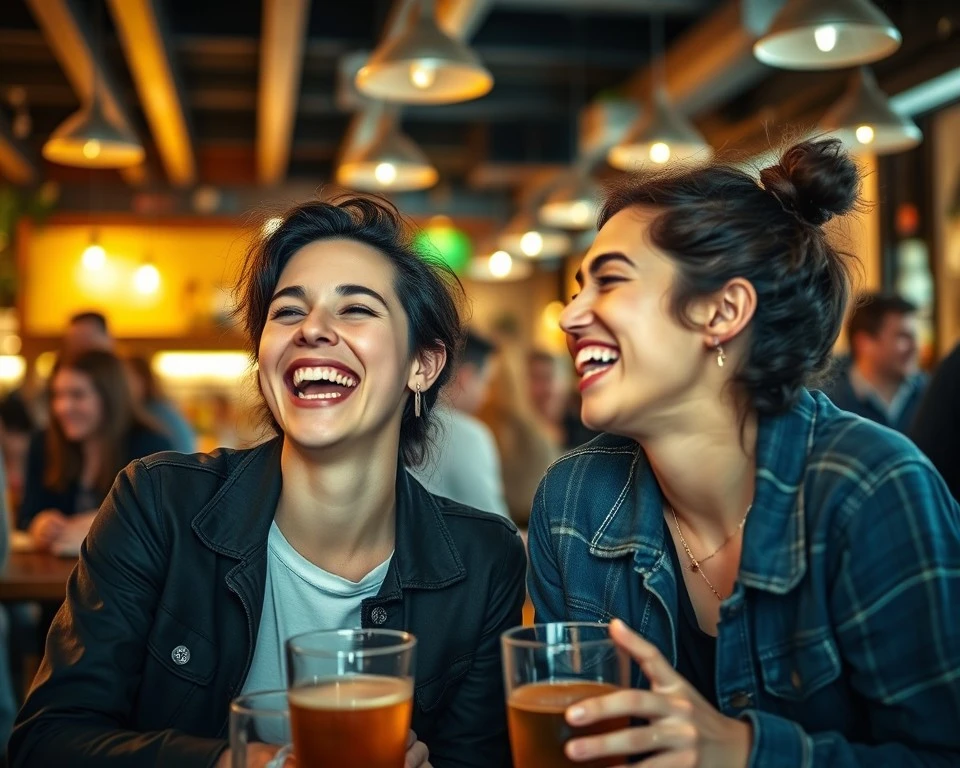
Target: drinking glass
[351,697]
[548,667]
[260,730]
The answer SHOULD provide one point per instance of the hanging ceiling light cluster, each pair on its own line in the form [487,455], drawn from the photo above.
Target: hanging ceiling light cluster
[832,34]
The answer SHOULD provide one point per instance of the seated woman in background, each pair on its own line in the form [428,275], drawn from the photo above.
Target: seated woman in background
[95,431]
[793,570]
[147,395]
[200,567]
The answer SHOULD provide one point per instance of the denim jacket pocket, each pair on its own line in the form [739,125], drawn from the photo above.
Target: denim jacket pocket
[796,670]
[431,693]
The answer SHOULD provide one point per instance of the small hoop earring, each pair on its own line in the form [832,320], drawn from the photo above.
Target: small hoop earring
[416,402]
[721,357]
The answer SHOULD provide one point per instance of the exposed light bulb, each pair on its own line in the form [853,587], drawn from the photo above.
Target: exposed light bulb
[500,264]
[660,152]
[385,173]
[531,243]
[825,37]
[91,149]
[146,279]
[580,213]
[865,134]
[423,75]
[94,257]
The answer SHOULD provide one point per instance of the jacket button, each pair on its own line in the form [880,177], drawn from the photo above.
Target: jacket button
[180,655]
[741,700]
[378,615]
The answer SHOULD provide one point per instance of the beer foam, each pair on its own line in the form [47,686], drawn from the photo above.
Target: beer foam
[359,692]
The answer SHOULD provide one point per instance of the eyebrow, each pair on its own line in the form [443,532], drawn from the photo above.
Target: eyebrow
[299,293]
[602,260]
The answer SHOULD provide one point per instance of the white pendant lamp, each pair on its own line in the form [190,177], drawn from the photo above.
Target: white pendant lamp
[525,238]
[827,34]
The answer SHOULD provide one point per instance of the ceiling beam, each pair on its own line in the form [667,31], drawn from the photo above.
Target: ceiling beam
[281,65]
[148,53]
[70,42]
[639,7]
[14,163]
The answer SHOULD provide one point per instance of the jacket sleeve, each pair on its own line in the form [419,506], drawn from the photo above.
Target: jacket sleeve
[894,601]
[546,589]
[473,730]
[77,712]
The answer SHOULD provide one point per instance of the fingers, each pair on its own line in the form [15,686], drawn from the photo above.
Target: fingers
[684,758]
[411,739]
[627,703]
[657,669]
[417,756]
[669,736]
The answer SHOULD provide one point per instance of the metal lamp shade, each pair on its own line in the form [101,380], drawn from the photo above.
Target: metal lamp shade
[87,139]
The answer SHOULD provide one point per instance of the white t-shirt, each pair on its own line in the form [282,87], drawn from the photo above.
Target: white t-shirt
[301,597]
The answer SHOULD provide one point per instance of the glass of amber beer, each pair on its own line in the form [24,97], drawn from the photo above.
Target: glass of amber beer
[351,697]
[260,730]
[548,667]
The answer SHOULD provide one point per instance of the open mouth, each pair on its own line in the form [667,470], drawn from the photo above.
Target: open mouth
[593,361]
[321,383]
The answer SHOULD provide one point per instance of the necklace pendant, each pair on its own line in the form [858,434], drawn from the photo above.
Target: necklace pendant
[694,566]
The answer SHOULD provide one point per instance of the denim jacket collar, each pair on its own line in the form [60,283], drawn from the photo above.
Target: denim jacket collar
[773,556]
[237,520]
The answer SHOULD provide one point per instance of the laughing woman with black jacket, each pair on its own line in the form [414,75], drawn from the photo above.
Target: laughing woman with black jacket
[198,567]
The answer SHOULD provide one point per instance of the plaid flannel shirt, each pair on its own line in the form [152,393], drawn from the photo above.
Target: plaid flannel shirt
[841,641]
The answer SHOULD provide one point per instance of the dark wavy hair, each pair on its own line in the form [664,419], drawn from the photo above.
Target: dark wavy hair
[717,223]
[429,291]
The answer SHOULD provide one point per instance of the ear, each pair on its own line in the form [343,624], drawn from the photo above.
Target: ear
[726,313]
[426,367]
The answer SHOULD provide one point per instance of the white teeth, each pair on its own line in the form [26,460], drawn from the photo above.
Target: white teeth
[321,396]
[595,354]
[322,373]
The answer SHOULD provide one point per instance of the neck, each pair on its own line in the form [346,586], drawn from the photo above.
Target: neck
[706,467]
[338,511]
[886,386]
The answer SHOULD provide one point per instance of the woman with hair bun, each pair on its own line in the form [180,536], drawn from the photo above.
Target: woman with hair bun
[785,574]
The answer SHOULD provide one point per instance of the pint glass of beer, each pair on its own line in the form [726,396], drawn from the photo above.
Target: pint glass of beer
[548,667]
[260,730]
[351,697]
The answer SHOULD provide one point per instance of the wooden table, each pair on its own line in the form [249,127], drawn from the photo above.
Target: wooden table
[37,576]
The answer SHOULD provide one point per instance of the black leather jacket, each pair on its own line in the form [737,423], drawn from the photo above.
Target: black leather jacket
[177,557]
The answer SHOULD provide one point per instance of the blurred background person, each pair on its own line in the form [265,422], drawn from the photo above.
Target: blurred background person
[147,396]
[95,430]
[882,382]
[936,430]
[548,379]
[16,428]
[528,442]
[463,463]
[87,330]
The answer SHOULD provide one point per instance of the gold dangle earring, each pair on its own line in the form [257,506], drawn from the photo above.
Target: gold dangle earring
[721,357]
[416,402]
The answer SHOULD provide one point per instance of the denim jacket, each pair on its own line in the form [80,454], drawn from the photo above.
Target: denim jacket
[841,640]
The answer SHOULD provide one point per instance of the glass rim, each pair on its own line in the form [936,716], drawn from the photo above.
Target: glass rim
[406,641]
[509,637]
[236,707]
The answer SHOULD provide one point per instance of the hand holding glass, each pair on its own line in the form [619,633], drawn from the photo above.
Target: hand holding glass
[260,731]
[547,668]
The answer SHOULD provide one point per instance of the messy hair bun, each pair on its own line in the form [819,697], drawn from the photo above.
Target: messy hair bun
[716,223]
[815,180]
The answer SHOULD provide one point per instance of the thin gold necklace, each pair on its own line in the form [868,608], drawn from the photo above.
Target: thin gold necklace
[695,565]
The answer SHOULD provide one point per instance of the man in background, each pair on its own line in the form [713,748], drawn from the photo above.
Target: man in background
[936,430]
[882,383]
[462,462]
[87,330]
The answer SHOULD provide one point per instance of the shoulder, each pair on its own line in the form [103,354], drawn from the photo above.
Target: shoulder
[478,535]
[605,458]
[854,463]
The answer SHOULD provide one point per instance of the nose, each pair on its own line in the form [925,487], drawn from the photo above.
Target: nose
[577,315]
[317,328]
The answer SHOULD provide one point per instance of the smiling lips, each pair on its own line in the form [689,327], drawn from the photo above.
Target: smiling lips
[592,361]
[320,383]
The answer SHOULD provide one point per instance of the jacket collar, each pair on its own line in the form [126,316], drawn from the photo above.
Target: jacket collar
[774,549]
[236,521]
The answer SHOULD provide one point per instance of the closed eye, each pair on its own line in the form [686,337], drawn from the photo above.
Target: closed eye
[285,312]
[606,280]
[359,309]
